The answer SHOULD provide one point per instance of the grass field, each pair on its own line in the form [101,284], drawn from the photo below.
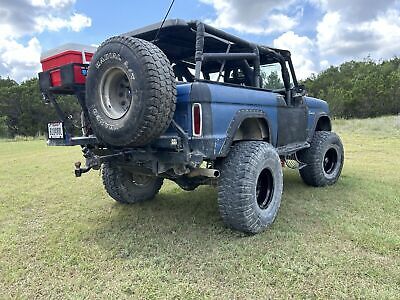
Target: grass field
[62,236]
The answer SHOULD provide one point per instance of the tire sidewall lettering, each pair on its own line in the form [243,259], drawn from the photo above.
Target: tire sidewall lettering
[105,62]
[107,56]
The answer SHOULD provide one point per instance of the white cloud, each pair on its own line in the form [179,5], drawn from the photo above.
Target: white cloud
[355,11]
[76,23]
[355,38]
[257,16]
[53,3]
[387,29]
[280,23]
[22,19]
[20,61]
[302,48]
[324,64]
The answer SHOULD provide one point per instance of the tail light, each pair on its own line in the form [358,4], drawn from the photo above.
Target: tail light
[197,119]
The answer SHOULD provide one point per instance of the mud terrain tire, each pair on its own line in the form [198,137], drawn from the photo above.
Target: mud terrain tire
[128,188]
[250,186]
[324,159]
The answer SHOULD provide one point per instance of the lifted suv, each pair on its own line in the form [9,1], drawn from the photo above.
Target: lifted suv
[194,105]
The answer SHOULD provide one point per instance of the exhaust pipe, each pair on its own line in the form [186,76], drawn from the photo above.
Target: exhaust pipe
[210,173]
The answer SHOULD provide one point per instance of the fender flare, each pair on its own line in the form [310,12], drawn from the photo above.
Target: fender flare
[235,123]
[318,116]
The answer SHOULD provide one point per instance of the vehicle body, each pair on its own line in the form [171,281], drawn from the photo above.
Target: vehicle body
[209,117]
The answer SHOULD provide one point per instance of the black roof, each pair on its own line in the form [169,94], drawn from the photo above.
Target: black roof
[177,39]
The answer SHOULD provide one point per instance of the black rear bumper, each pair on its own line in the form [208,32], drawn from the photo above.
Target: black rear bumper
[173,143]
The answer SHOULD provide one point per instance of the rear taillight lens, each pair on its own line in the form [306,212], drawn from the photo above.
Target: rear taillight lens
[197,119]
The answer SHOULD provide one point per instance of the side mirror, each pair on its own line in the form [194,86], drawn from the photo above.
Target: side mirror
[300,90]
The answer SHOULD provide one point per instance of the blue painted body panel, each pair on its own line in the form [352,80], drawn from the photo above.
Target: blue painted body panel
[316,108]
[226,101]
[183,114]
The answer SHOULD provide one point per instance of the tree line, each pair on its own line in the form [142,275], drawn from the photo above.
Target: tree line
[359,89]
[355,89]
[23,111]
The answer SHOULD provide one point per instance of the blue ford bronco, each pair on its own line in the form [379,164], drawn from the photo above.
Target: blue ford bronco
[193,104]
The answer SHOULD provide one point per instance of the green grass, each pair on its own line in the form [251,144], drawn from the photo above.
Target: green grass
[62,236]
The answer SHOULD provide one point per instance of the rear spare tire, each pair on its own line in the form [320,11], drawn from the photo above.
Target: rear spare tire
[130,92]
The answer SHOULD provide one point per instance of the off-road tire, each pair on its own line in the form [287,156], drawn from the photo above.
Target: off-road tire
[239,206]
[130,92]
[120,185]
[324,159]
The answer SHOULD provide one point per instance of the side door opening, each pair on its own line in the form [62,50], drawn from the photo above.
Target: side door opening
[292,114]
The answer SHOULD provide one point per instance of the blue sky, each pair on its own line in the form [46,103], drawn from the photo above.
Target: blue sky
[318,32]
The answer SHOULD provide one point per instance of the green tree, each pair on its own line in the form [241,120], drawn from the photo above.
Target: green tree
[271,81]
[23,112]
[359,89]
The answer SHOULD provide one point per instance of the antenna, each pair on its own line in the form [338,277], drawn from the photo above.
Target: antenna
[162,23]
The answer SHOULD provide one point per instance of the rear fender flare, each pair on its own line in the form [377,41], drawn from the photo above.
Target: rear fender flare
[235,124]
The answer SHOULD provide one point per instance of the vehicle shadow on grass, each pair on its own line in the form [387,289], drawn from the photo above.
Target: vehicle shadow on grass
[177,219]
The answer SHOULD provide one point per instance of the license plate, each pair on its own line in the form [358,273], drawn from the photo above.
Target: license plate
[55,130]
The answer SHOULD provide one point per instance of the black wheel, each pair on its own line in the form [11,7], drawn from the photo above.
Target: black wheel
[128,188]
[130,92]
[324,159]
[250,186]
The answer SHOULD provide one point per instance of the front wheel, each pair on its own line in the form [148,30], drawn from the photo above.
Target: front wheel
[250,186]
[128,188]
[324,159]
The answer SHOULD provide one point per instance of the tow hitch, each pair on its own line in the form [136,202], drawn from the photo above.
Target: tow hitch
[79,171]
[94,161]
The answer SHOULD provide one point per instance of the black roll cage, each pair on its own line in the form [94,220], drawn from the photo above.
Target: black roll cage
[214,50]
[254,56]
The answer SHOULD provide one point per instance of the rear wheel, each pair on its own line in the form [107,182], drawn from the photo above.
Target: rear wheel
[250,186]
[126,187]
[324,159]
